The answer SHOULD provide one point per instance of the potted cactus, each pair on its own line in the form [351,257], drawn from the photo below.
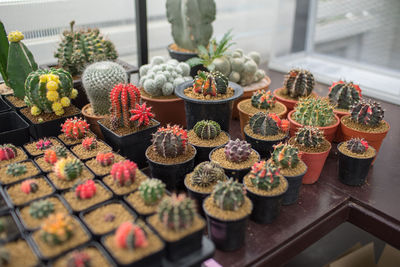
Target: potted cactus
[18,171]
[314,148]
[38,147]
[288,159]
[209,97]
[236,158]
[51,156]
[316,112]
[89,148]
[366,121]
[74,131]
[182,234]
[11,154]
[10,254]
[102,164]
[98,80]
[264,130]
[205,136]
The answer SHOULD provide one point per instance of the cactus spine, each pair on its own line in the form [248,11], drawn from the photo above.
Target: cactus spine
[124,97]
[367,113]
[57,229]
[314,112]
[16,169]
[207,173]
[207,129]
[177,212]
[151,191]
[237,151]
[357,145]
[267,124]
[229,195]
[344,94]
[170,141]
[298,83]
[263,99]
[41,209]
[309,136]
[264,175]
[285,156]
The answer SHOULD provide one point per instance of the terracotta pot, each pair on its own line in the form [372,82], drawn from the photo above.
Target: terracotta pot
[315,163]
[290,104]
[248,92]
[92,120]
[244,115]
[329,131]
[339,135]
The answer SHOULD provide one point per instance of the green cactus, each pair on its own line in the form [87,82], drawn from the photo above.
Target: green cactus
[191,22]
[367,113]
[298,83]
[263,124]
[210,83]
[68,168]
[99,79]
[207,173]
[263,99]
[152,190]
[41,209]
[314,112]
[309,136]
[357,145]
[207,129]
[265,175]
[344,95]
[177,212]
[229,195]
[170,141]
[16,169]
[285,156]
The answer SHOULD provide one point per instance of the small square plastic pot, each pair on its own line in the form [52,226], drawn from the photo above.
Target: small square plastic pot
[4,107]
[13,129]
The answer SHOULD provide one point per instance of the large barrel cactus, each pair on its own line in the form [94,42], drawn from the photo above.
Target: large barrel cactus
[191,22]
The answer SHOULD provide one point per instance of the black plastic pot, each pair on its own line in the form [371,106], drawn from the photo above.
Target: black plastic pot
[5,205]
[292,193]
[216,110]
[4,107]
[13,129]
[198,198]
[132,146]
[34,156]
[35,175]
[171,174]
[11,105]
[263,147]
[203,152]
[180,56]
[353,171]
[13,228]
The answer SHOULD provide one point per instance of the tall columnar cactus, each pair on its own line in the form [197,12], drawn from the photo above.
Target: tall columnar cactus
[267,124]
[80,48]
[7,152]
[177,212]
[285,156]
[207,173]
[210,83]
[53,154]
[16,169]
[229,195]
[79,259]
[263,99]
[68,168]
[309,136]
[49,91]
[41,209]
[124,97]
[237,151]
[265,175]
[57,229]
[207,129]
[298,83]
[130,236]
[357,145]
[141,115]
[124,172]
[314,112]
[170,141]
[191,22]
[75,128]
[44,144]
[105,158]
[344,94]
[367,113]
[99,79]
[152,190]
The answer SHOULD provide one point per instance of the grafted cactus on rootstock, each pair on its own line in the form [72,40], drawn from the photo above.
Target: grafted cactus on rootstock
[85,190]
[267,124]
[68,168]
[29,186]
[237,151]
[367,113]
[207,129]
[89,143]
[52,155]
[177,212]
[141,115]
[130,236]
[151,190]
[16,169]
[57,229]
[263,99]
[124,97]
[309,136]
[170,141]
[207,173]
[229,195]
[210,83]
[264,175]
[41,209]
[285,156]
[7,152]
[357,145]
[344,94]
[75,128]
[298,83]
[44,144]
[105,158]
[124,172]
[314,112]
[191,22]
[79,259]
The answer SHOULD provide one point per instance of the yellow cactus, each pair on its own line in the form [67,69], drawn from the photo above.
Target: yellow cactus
[65,102]
[52,85]
[52,96]
[15,36]
[35,111]
[74,93]
[43,78]
[57,228]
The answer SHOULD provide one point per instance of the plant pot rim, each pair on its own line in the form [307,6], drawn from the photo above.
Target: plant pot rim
[159,99]
[180,52]
[362,132]
[341,112]
[26,124]
[227,134]
[212,151]
[186,180]
[288,100]
[86,114]
[247,89]
[122,136]
[171,164]
[263,196]
[58,118]
[298,175]
[230,220]
[179,91]
[261,110]
[263,140]
[316,153]
[319,127]
[338,145]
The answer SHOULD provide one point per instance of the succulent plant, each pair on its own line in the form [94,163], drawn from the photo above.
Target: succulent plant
[86,189]
[357,145]
[207,129]
[267,124]
[298,83]
[160,77]
[141,115]
[170,141]
[344,94]
[263,99]
[124,97]
[29,186]
[152,190]
[41,209]
[228,195]
[68,168]
[105,158]
[53,154]
[44,144]
[75,128]
[57,229]
[80,48]
[210,83]
[177,212]
[130,236]
[79,259]
[4,256]
[99,79]
[7,152]
[16,169]
[309,136]
[89,143]
[237,151]
[367,113]
[285,156]
[314,112]
[264,175]
[207,173]
[124,172]
[49,91]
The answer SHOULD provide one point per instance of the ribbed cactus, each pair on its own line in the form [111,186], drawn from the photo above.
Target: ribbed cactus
[7,152]
[314,112]
[75,128]
[130,236]
[170,141]
[207,129]
[264,175]
[237,151]
[57,229]
[105,158]
[89,143]
[49,91]
[41,209]
[44,144]
[151,191]
[298,83]
[229,195]
[68,168]
[29,186]
[267,124]
[263,99]
[53,154]
[357,145]
[79,259]
[191,22]
[124,97]
[367,113]
[344,94]
[124,172]
[141,115]
[85,190]
[285,156]
[309,136]
[80,48]
[16,169]
[207,173]
[177,212]
[210,83]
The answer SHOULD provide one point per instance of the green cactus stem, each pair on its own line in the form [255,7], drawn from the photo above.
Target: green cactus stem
[229,195]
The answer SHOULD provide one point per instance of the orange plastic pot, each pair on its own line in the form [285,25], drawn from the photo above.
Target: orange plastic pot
[329,131]
[339,135]
[92,120]
[315,163]
[290,104]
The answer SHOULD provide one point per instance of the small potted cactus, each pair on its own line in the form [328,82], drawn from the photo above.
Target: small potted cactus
[260,101]
[102,164]
[18,252]
[366,121]
[51,156]
[11,154]
[227,210]
[265,187]
[18,171]
[264,130]
[145,200]
[209,97]
[288,159]
[355,159]
[314,148]
[236,158]
[74,130]
[183,233]
[316,112]
[89,148]
[38,147]
[170,157]
[205,136]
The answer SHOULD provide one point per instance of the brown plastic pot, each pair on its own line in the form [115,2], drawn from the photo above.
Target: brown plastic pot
[329,131]
[290,104]
[339,135]
[92,120]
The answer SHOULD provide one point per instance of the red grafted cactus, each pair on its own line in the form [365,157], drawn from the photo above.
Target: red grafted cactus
[170,141]
[53,154]
[79,259]
[105,159]
[75,128]
[130,236]
[85,190]
[29,186]
[89,143]
[141,115]
[124,172]
[123,97]
[7,152]
[43,144]
[357,145]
